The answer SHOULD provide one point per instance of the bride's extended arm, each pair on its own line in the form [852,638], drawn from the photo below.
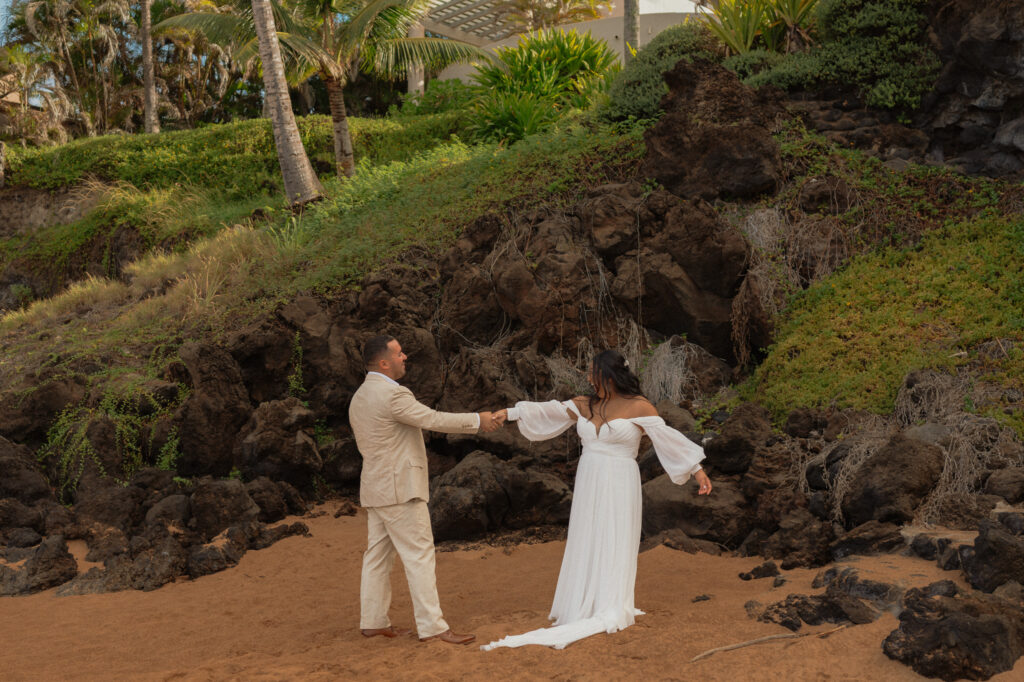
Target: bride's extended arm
[679,456]
[541,421]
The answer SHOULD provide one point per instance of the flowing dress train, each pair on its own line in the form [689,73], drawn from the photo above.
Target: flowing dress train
[595,584]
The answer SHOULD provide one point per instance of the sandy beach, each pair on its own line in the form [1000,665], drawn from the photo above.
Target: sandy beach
[291,612]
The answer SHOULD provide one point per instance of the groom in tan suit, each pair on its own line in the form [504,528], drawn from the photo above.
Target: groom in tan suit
[394,488]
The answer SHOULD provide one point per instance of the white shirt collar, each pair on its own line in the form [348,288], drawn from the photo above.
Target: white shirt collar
[385,376]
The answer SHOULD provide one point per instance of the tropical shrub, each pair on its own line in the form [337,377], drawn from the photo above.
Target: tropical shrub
[440,96]
[750,63]
[512,116]
[773,25]
[636,91]
[877,47]
[566,66]
[738,23]
[552,70]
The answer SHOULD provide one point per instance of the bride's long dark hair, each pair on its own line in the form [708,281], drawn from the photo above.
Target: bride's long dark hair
[610,370]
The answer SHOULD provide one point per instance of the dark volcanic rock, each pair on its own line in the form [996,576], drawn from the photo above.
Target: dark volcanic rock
[957,636]
[275,443]
[801,540]
[831,607]
[14,514]
[1008,484]
[868,538]
[48,565]
[893,481]
[217,505]
[210,419]
[483,493]
[27,421]
[171,510]
[111,505]
[154,559]
[802,421]
[342,462]
[678,540]
[23,537]
[20,477]
[267,495]
[719,517]
[732,450]
[713,140]
[998,557]
[766,570]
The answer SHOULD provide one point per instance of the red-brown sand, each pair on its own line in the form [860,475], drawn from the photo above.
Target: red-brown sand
[292,612]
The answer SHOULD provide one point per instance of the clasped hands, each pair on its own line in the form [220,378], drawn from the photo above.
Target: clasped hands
[492,421]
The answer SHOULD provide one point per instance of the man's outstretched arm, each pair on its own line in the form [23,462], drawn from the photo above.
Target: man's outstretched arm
[407,410]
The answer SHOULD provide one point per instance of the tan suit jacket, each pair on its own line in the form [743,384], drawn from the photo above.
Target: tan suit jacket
[387,421]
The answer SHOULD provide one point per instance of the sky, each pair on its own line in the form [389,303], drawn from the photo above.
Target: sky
[5,6]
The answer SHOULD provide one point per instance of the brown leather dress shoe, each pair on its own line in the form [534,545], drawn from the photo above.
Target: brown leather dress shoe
[450,637]
[388,632]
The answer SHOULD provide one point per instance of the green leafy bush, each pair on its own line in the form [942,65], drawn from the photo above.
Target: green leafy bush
[750,63]
[637,90]
[568,67]
[440,96]
[512,116]
[877,47]
[772,25]
[535,82]
[233,159]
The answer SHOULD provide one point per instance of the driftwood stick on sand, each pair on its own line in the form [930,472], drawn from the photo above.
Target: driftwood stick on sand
[769,638]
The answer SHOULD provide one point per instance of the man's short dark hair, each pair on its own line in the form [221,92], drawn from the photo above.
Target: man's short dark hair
[375,348]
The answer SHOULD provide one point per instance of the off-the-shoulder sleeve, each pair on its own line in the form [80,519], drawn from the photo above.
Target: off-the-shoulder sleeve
[541,421]
[679,455]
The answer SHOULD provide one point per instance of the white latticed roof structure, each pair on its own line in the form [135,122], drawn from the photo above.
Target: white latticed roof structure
[473,21]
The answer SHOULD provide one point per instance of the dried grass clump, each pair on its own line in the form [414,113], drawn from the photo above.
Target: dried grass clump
[977,445]
[667,373]
[931,396]
[766,229]
[873,433]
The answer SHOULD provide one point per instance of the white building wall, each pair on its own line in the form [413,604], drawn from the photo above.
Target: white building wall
[608,28]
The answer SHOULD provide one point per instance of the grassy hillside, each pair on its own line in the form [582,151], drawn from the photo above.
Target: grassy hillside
[934,269]
[237,274]
[849,340]
[163,191]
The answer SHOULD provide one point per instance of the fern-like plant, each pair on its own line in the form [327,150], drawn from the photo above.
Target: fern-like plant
[534,82]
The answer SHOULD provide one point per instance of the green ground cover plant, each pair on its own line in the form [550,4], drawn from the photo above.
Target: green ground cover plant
[538,81]
[235,159]
[240,273]
[899,309]
[636,91]
[878,48]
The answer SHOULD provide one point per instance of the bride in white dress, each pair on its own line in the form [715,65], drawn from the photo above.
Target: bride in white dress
[595,585]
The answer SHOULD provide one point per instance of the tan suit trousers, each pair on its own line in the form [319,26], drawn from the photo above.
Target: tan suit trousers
[402,529]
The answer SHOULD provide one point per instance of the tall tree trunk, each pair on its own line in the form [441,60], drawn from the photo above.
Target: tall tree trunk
[300,182]
[630,28]
[344,159]
[151,120]
[416,71]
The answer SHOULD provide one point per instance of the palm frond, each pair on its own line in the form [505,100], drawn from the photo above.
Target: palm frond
[392,58]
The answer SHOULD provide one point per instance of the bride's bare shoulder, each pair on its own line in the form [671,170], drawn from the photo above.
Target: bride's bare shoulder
[582,403]
[642,407]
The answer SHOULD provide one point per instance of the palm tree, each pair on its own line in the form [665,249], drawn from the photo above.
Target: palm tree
[31,75]
[300,182]
[85,34]
[150,118]
[630,28]
[337,38]
[535,15]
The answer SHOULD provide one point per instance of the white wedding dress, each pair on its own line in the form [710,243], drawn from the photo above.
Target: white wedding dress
[595,585]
